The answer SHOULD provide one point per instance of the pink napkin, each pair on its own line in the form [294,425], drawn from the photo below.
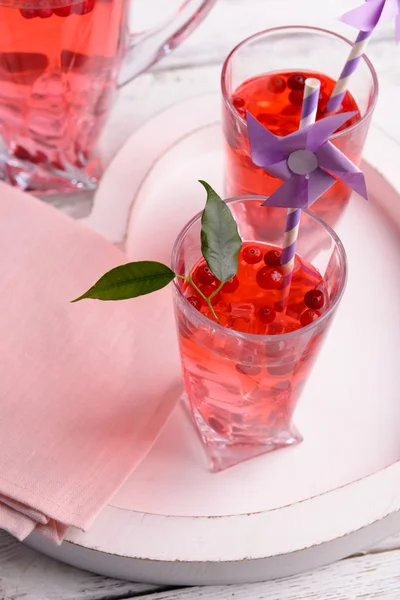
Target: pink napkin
[85,388]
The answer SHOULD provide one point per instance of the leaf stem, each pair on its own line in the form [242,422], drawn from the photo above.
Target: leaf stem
[219,288]
[207,300]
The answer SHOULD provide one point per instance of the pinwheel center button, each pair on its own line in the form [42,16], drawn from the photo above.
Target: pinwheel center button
[302,162]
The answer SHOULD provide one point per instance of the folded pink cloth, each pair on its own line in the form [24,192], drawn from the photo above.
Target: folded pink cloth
[85,388]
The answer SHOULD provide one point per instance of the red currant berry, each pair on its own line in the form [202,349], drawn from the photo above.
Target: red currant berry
[296,97]
[314,299]
[297,82]
[204,275]
[269,278]
[63,11]
[266,315]
[276,84]
[309,316]
[252,255]
[231,286]
[207,290]
[45,13]
[22,153]
[28,14]
[238,102]
[194,301]
[273,258]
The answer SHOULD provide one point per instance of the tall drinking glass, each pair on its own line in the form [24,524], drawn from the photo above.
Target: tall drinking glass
[243,388]
[265,74]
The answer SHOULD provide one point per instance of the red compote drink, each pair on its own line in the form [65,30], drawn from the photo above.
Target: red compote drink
[275,100]
[59,61]
[265,74]
[244,386]
[244,374]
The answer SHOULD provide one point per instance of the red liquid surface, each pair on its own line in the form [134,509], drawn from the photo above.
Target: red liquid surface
[245,390]
[58,71]
[277,106]
[243,309]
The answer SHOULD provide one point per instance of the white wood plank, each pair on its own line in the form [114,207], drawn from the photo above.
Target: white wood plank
[363,578]
[231,21]
[27,574]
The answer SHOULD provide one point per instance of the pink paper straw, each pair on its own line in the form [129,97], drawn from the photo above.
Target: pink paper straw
[351,65]
[308,116]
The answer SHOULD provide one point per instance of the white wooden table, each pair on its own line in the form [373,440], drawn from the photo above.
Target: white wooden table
[192,69]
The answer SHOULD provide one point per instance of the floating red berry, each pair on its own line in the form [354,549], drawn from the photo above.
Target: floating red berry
[252,255]
[297,82]
[204,275]
[238,102]
[273,258]
[266,315]
[276,84]
[308,317]
[63,11]
[21,152]
[269,278]
[28,14]
[296,97]
[314,299]
[231,286]
[194,301]
[45,13]
[207,290]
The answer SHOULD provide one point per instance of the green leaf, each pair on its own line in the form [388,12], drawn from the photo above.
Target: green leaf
[220,239]
[130,281]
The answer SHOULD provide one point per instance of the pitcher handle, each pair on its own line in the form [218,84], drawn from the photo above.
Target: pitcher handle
[146,48]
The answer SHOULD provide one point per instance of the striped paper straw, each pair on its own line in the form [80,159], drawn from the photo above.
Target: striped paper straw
[308,116]
[351,65]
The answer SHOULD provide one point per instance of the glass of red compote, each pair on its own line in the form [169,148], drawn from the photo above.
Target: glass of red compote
[244,374]
[265,75]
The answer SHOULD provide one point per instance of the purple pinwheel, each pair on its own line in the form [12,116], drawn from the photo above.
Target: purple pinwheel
[372,12]
[305,160]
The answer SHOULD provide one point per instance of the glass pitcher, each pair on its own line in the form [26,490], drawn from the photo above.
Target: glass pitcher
[61,62]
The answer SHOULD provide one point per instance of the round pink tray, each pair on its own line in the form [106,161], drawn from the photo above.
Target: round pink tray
[337,493]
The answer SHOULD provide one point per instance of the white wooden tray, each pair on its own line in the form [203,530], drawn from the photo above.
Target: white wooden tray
[174,522]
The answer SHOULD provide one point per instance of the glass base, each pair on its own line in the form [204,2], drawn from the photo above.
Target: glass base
[223,453]
[45,180]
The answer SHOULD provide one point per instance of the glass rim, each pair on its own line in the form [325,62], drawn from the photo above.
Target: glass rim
[306,28]
[254,336]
